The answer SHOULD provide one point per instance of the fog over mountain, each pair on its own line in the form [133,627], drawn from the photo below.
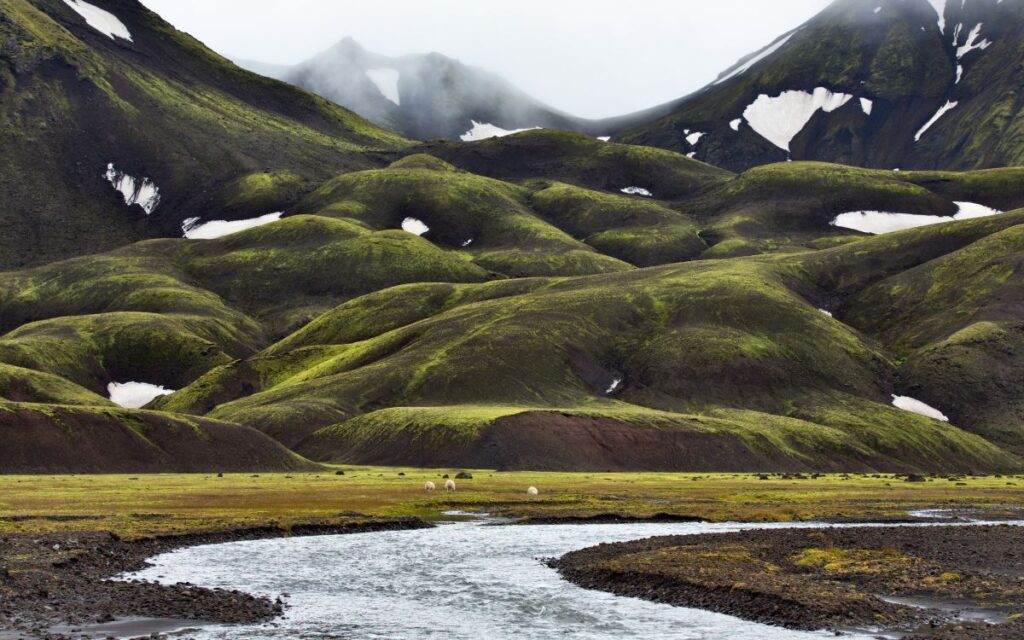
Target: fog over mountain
[590,59]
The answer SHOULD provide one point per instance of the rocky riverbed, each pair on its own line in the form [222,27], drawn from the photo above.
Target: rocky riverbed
[948,583]
[57,585]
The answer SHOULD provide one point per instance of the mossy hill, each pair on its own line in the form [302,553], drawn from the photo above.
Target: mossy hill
[709,364]
[213,138]
[569,304]
[894,55]
[553,339]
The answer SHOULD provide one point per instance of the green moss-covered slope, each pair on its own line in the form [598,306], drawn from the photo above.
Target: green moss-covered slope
[899,57]
[708,364]
[581,160]
[215,140]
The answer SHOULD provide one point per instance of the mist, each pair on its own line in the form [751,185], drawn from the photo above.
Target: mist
[590,58]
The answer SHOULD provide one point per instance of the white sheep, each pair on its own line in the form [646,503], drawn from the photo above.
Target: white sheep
[429,486]
[532,491]
[449,485]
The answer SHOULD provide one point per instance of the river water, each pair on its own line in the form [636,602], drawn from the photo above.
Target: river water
[460,580]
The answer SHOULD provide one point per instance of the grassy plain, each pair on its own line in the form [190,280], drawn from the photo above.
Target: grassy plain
[143,505]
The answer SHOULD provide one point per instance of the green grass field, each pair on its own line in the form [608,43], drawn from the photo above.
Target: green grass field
[143,505]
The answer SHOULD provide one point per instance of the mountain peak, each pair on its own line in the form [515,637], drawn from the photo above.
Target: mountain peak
[348,43]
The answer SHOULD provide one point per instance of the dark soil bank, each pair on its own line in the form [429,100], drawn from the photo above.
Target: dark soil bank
[51,584]
[965,582]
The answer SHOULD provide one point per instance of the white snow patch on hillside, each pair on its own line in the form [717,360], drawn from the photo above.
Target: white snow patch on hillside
[613,387]
[916,406]
[638,191]
[758,57]
[221,228]
[876,222]
[735,124]
[485,130]
[415,226]
[100,20]
[778,119]
[826,312]
[387,83]
[141,192]
[135,395]
[694,137]
[938,114]
[940,8]
[604,138]
[974,210]
[866,106]
[972,44]
[188,223]
[959,73]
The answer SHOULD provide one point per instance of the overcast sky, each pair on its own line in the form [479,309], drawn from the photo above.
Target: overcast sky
[592,58]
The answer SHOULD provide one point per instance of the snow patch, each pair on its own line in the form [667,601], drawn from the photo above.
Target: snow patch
[758,57]
[916,406]
[778,119]
[959,73]
[970,210]
[387,83]
[735,124]
[141,192]
[100,20]
[221,228]
[187,224]
[866,106]
[135,395]
[826,312]
[415,226]
[467,242]
[638,191]
[485,131]
[694,137]
[971,43]
[604,138]
[938,114]
[613,387]
[876,222]
[940,8]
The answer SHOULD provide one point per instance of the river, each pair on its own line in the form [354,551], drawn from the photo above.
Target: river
[471,579]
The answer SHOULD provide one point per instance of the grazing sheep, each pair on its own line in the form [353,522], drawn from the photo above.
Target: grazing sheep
[532,491]
[429,487]
[449,485]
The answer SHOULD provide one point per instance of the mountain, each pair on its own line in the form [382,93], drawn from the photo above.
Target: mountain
[420,96]
[543,300]
[913,84]
[114,126]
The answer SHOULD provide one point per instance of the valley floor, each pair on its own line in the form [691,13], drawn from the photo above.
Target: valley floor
[147,505]
[60,536]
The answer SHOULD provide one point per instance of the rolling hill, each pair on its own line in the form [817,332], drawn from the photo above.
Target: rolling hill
[581,328]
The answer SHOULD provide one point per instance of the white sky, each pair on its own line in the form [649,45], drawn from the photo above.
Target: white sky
[592,58]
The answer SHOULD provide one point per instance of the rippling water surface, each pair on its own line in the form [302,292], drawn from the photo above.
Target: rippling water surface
[460,580]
